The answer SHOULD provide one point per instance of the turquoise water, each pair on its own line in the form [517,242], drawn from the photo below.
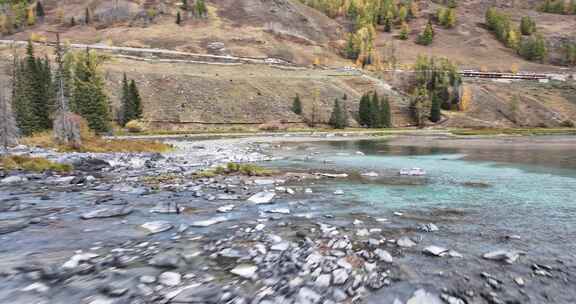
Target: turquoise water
[536,198]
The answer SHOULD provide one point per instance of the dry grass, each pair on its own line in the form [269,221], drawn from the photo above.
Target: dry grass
[96,144]
[235,169]
[35,164]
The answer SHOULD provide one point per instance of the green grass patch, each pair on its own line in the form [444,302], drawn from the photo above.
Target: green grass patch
[235,169]
[34,164]
[495,132]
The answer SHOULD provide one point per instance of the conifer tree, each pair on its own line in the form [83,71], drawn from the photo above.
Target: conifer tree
[87,16]
[427,36]
[338,119]
[185,5]
[385,113]
[178,18]
[364,111]
[89,98]
[527,26]
[435,112]
[136,100]
[297,105]
[125,102]
[201,9]
[40,10]
[375,118]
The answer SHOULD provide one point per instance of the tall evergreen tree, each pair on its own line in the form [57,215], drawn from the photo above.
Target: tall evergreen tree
[90,100]
[297,105]
[339,117]
[125,113]
[40,10]
[435,111]
[87,19]
[385,113]
[178,18]
[136,100]
[375,119]
[364,111]
[427,36]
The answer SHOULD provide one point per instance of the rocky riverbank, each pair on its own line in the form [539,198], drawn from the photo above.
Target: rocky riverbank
[144,229]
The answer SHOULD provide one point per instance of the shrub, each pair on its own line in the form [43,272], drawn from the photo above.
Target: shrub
[235,168]
[135,126]
[34,164]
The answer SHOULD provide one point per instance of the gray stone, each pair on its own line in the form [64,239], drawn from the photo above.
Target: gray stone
[339,276]
[9,226]
[421,296]
[225,209]
[167,208]
[196,294]
[428,227]
[262,198]
[147,279]
[307,296]
[107,212]
[167,260]
[157,226]
[209,222]
[13,180]
[435,250]
[323,280]
[75,260]
[170,278]
[502,255]
[405,242]
[383,255]
[246,271]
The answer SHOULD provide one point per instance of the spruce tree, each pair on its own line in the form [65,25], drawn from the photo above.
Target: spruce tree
[297,105]
[375,119]
[90,101]
[201,9]
[125,114]
[87,16]
[136,100]
[364,111]
[427,36]
[385,113]
[178,18]
[338,119]
[435,113]
[40,10]
[527,26]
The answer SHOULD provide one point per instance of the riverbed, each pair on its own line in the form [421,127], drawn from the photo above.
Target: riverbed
[492,221]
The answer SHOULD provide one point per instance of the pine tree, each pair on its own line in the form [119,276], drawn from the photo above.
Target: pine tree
[72,22]
[201,9]
[297,105]
[435,112]
[89,99]
[87,16]
[136,100]
[527,26]
[178,18]
[338,119]
[427,36]
[375,119]
[364,111]
[126,112]
[40,10]
[385,113]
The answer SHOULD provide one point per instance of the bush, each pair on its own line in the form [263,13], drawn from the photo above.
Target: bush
[34,164]
[135,126]
[235,168]
[272,126]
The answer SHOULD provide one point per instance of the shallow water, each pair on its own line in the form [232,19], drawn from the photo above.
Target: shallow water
[527,192]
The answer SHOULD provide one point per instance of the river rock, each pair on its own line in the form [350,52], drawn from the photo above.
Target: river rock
[428,228]
[226,209]
[90,164]
[370,174]
[502,255]
[10,204]
[75,260]
[323,280]
[307,296]
[422,296]
[383,255]
[167,208]
[208,222]
[170,278]
[107,212]
[196,293]
[36,287]
[13,180]
[9,226]
[167,260]
[246,271]
[157,226]
[435,250]
[262,198]
[147,279]
[339,276]
[280,211]
[405,242]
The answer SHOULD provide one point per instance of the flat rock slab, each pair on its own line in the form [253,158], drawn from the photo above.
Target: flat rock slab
[107,212]
[208,222]
[9,226]
[157,226]
[246,271]
[262,198]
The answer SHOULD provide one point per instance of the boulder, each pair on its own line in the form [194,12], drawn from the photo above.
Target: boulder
[262,198]
[157,226]
[107,212]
